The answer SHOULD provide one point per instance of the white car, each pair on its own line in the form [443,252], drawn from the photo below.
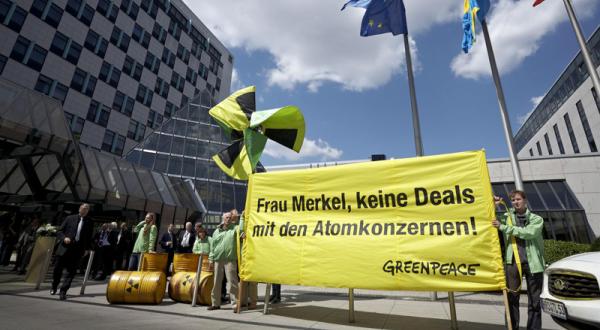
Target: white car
[571,293]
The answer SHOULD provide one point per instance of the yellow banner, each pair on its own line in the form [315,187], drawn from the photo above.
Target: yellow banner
[411,224]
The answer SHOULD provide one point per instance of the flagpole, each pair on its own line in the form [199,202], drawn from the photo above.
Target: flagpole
[582,44]
[502,103]
[413,98]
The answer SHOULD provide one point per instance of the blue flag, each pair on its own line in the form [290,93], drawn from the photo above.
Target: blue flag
[472,9]
[382,16]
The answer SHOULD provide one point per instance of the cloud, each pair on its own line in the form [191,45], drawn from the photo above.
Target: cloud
[535,101]
[516,31]
[236,83]
[313,43]
[318,149]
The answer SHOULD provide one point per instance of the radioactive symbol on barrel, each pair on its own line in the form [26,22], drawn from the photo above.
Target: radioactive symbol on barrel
[131,285]
[188,279]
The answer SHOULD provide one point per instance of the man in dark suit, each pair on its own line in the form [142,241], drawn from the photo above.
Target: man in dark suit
[186,239]
[124,247]
[168,242]
[74,236]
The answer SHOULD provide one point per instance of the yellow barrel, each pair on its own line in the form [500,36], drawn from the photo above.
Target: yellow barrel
[136,287]
[185,262]
[181,287]
[154,262]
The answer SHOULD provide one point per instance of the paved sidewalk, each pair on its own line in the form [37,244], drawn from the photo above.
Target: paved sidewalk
[301,308]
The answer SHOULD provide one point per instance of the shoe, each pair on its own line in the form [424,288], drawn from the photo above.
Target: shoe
[275,300]
[235,309]
[212,308]
[52,292]
[63,296]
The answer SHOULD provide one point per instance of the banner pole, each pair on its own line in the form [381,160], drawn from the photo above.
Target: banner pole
[351,305]
[453,321]
[267,293]
[197,281]
[509,321]
[88,268]
[413,98]
[140,262]
[43,269]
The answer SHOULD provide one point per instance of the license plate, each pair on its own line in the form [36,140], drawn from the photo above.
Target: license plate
[554,308]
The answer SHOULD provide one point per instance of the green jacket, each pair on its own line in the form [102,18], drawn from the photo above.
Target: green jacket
[201,246]
[531,233]
[223,244]
[144,243]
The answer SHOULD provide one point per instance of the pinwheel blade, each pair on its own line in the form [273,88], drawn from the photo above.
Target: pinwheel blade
[255,143]
[233,113]
[234,161]
[284,126]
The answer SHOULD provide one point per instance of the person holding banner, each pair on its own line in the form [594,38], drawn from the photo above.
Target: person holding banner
[146,239]
[223,258]
[524,256]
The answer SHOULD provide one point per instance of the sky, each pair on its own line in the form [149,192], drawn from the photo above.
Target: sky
[353,91]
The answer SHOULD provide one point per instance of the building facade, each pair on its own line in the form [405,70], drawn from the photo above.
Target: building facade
[182,148]
[567,120]
[119,68]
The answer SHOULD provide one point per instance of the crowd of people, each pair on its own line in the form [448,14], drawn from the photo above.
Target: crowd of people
[117,247]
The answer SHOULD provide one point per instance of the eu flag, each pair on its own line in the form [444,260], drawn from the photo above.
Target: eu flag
[382,16]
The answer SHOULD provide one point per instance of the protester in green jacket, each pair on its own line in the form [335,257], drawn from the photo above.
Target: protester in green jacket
[526,229]
[223,255]
[146,239]
[202,242]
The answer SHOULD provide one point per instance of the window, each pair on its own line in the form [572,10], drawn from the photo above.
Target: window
[184,101]
[110,74]
[132,68]
[170,109]
[548,146]
[152,63]
[28,53]
[95,43]
[108,10]
[83,12]
[203,71]
[141,36]
[144,95]
[98,113]
[119,39]
[161,88]
[12,15]
[149,7]
[47,12]
[218,84]
[174,30]
[530,152]
[154,119]
[586,127]
[51,88]
[177,81]
[123,103]
[539,148]
[66,48]
[571,133]
[168,58]
[596,98]
[136,130]
[75,123]
[561,148]
[159,33]
[183,54]
[130,8]
[191,76]
[83,82]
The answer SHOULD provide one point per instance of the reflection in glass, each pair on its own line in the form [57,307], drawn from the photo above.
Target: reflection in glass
[561,227]
[147,159]
[177,146]
[533,199]
[164,143]
[175,165]
[580,229]
[548,195]
[160,164]
[563,193]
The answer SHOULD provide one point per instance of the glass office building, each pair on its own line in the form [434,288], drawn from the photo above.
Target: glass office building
[182,148]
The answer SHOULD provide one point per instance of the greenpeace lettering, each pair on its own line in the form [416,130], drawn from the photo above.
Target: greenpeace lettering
[400,225]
